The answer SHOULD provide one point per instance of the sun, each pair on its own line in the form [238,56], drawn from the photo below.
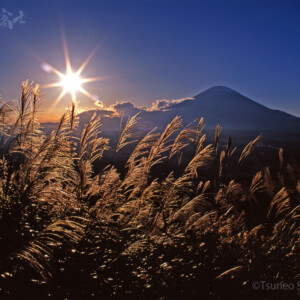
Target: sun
[71,82]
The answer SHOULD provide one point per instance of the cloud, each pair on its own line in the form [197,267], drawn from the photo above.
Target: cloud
[160,104]
[99,104]
[166,104]
[181,100]
[125,108]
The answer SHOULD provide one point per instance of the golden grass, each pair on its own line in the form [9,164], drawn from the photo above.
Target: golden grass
[52,202]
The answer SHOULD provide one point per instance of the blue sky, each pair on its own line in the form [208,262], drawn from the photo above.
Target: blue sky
[159,49]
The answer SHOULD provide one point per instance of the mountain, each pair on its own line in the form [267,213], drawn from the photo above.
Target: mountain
[232,110]
[217,105]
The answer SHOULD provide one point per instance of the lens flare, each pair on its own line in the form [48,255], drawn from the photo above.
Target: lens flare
[70,82]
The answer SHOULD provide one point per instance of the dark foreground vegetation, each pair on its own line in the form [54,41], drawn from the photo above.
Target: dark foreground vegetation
[68,231]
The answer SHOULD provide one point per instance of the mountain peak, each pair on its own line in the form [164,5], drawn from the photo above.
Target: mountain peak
[220,88]
[218,91]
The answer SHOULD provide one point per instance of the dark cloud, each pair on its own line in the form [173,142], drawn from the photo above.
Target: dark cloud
[125,108]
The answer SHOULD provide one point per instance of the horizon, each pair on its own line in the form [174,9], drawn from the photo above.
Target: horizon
[154,50]
[135,108]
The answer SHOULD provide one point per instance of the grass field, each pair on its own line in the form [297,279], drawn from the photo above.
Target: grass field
[71,231]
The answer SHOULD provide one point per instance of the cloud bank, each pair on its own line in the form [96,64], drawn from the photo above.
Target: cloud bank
[127,108]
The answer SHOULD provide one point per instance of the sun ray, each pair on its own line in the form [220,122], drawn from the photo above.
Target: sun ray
[60,96]
[86,93]
[49,85]
[73,94]
[84,64]
[71,81]
[54,70]
[66,53]
[92,79]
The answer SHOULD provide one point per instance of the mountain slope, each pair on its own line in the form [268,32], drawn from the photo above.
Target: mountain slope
[230,109]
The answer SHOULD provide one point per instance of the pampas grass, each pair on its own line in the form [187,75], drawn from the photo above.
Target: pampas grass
[186,233]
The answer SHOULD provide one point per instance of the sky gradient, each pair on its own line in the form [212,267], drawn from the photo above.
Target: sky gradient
[153,50]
